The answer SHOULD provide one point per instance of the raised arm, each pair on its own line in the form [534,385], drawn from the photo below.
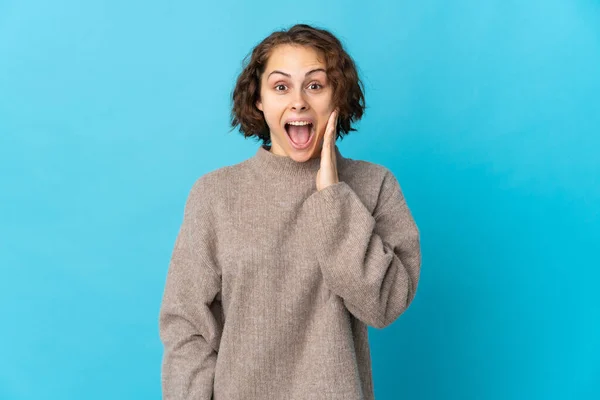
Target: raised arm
[372,261]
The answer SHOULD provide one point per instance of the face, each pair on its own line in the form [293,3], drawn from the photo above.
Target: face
[294,86]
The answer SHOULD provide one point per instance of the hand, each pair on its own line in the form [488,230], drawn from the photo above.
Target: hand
[327,174]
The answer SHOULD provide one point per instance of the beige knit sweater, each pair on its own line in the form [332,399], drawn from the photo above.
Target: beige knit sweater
[272,283]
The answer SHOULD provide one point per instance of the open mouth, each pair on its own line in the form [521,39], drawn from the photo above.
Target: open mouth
[300,135]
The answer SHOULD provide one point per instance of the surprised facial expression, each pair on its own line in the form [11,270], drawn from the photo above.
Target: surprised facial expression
[295,98]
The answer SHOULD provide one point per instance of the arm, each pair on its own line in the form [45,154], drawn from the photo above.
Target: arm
[372,261]
[190,323]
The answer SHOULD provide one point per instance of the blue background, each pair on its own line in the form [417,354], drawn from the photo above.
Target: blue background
[486,111]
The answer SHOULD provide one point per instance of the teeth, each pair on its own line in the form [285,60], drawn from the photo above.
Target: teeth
[298,123]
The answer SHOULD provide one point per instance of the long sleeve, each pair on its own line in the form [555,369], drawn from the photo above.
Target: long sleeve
[190,320]
[372,261]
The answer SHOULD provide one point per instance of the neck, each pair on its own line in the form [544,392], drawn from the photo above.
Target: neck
[287,169]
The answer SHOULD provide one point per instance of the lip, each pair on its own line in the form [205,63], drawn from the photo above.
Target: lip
[305,146]
[296,119]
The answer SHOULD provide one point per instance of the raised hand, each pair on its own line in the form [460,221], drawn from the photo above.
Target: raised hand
[327,174]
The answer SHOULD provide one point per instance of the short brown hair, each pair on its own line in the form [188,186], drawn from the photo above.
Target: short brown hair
[341,71]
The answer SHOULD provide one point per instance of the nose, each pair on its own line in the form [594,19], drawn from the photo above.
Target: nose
[299,102]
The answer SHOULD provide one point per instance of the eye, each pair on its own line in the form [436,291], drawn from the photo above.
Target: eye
[316,84]
[279,86]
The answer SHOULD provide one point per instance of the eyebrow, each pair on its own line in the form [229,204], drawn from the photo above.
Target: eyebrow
[289,76]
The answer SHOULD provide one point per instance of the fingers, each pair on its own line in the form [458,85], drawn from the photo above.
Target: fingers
[330,131]
[328,159]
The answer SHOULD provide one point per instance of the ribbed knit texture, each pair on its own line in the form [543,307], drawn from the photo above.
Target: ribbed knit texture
[272,284]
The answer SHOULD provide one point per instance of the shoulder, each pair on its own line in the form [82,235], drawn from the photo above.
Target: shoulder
[373,176]
[208,186]
[210,180]
[217,187]
[364,168]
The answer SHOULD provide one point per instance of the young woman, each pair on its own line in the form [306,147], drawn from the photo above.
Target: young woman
[283,260]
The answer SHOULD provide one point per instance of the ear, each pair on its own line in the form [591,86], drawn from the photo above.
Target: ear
[259,105]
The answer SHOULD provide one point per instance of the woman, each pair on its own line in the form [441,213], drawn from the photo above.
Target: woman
[284,259]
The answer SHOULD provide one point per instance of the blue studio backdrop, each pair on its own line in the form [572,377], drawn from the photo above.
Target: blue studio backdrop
[487,112]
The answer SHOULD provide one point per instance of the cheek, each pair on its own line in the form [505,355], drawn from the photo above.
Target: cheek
[322,128]
[272,106]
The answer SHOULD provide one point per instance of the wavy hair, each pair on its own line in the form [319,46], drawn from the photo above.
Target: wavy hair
[348,89]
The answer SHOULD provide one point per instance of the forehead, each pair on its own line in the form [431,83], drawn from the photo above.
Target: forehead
[294,58]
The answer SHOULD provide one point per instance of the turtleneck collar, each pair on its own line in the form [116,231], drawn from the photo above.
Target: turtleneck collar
[285,167]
